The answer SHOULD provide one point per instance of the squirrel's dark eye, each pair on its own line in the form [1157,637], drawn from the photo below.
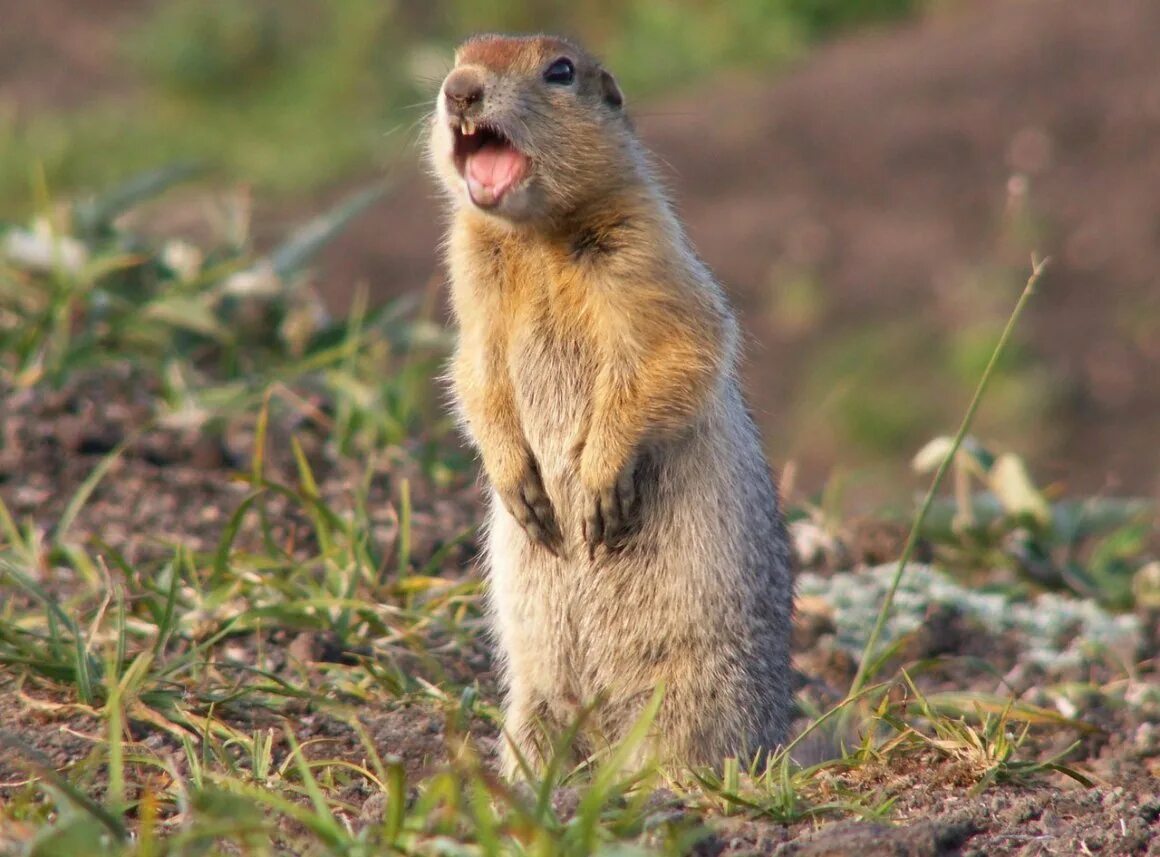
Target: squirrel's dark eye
[561,72]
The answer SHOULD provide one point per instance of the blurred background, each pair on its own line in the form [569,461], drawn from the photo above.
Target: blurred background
[869,178]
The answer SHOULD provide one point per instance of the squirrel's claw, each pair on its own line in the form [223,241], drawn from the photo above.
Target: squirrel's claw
[530,505]
[612,514]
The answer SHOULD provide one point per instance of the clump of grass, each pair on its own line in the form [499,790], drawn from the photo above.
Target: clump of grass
[217,327]
[998,518]
[987,753]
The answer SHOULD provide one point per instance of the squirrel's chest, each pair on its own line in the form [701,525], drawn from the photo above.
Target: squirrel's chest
[553,375]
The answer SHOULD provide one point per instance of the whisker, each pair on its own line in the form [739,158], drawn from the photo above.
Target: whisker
[416,105]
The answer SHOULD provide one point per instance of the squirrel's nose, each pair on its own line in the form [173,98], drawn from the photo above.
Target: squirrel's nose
[463,88]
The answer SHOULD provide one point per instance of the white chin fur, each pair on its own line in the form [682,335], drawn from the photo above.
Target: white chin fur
[515,204]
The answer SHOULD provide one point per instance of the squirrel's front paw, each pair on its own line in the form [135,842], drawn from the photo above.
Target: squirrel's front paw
[528,503]
[612,513]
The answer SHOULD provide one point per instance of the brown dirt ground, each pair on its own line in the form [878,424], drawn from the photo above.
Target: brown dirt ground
[53,442]
[59,53]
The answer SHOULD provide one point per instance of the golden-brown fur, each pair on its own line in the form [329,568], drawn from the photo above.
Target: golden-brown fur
[635,538]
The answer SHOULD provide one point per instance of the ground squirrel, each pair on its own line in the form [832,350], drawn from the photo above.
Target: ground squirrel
[634,536]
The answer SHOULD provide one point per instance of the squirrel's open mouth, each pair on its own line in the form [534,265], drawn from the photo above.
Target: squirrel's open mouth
[488,161]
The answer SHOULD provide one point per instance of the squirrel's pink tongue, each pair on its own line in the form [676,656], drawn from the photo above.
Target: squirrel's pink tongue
[492,170]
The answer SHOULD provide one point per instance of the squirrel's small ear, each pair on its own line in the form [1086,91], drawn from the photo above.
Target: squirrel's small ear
[612,94]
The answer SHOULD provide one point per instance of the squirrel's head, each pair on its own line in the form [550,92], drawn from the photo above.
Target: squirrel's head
[528,128]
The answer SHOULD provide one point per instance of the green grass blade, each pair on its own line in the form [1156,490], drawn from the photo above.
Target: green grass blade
[221,557]
[44,769]
[98,212]
[81,496]
[291,256]
[870,652]
[324,818]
